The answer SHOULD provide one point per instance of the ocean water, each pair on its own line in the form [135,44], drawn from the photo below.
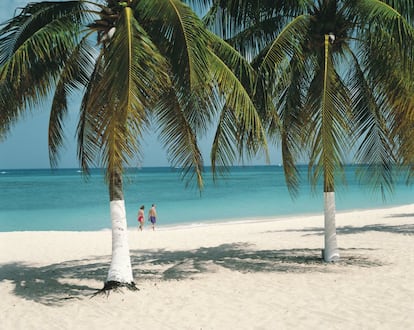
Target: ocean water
[63,200]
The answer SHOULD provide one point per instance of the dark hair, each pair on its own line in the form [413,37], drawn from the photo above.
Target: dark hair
[142,207]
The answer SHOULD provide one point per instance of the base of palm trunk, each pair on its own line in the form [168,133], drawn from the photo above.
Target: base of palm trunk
[331,257]
[113,285]
[116,286]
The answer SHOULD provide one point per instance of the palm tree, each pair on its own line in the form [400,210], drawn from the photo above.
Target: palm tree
[134,63]
[335,77]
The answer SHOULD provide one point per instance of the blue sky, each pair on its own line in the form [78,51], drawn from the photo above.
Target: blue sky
[26,144]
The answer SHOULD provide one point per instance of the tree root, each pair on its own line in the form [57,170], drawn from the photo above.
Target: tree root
[115,286]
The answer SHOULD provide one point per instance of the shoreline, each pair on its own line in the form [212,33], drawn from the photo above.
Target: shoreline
[263,274]
[283,217]
[132,224]
[29,203]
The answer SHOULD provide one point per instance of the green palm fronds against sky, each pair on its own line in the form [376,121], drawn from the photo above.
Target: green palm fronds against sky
[357,101]
[137,64]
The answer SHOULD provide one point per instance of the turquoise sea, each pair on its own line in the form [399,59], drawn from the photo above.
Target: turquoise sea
[44,199]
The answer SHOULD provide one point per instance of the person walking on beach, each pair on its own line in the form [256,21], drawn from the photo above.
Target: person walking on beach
[141,217]
[152,216]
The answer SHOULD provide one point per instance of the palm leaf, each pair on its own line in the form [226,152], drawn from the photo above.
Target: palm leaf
[179,137]
[381,17]
[250,134]
[330,123]
[33,48]
[284,46]
[74,76]
[289,105]
[133,75]
[180,36]
[375,95]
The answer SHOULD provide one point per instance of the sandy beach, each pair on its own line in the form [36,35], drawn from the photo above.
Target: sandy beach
[253,274]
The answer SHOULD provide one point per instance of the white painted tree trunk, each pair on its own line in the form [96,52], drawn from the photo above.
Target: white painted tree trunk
[120,269]
[331,251]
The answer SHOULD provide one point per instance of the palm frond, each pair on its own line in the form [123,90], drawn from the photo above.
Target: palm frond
[74,76]
[179,137]
[330,124]
[39,25]
[284,46]
[372,124]
[8,113]
[229,18]
[88,132]
[289,102]
[405,8]
[381,17]
[33,48]
[224,149]
[237,97]
[403,130]
[180,35]
[133,76]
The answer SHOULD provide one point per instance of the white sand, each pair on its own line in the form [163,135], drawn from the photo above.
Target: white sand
[247,275]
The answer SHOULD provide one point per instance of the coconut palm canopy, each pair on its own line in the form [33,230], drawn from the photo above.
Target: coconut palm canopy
[366,86]
[132,61]
[135,64]
[336,78]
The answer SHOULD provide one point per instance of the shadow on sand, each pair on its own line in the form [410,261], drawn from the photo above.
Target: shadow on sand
[51,284]
[407,229]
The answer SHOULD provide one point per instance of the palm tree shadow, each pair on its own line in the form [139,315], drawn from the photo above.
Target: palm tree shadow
[56,283]
[401,215]
[176,265]
[407,229]
[53,284]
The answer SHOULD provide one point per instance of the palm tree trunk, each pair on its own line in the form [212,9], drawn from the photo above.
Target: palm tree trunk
[331,251]
[120,271]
